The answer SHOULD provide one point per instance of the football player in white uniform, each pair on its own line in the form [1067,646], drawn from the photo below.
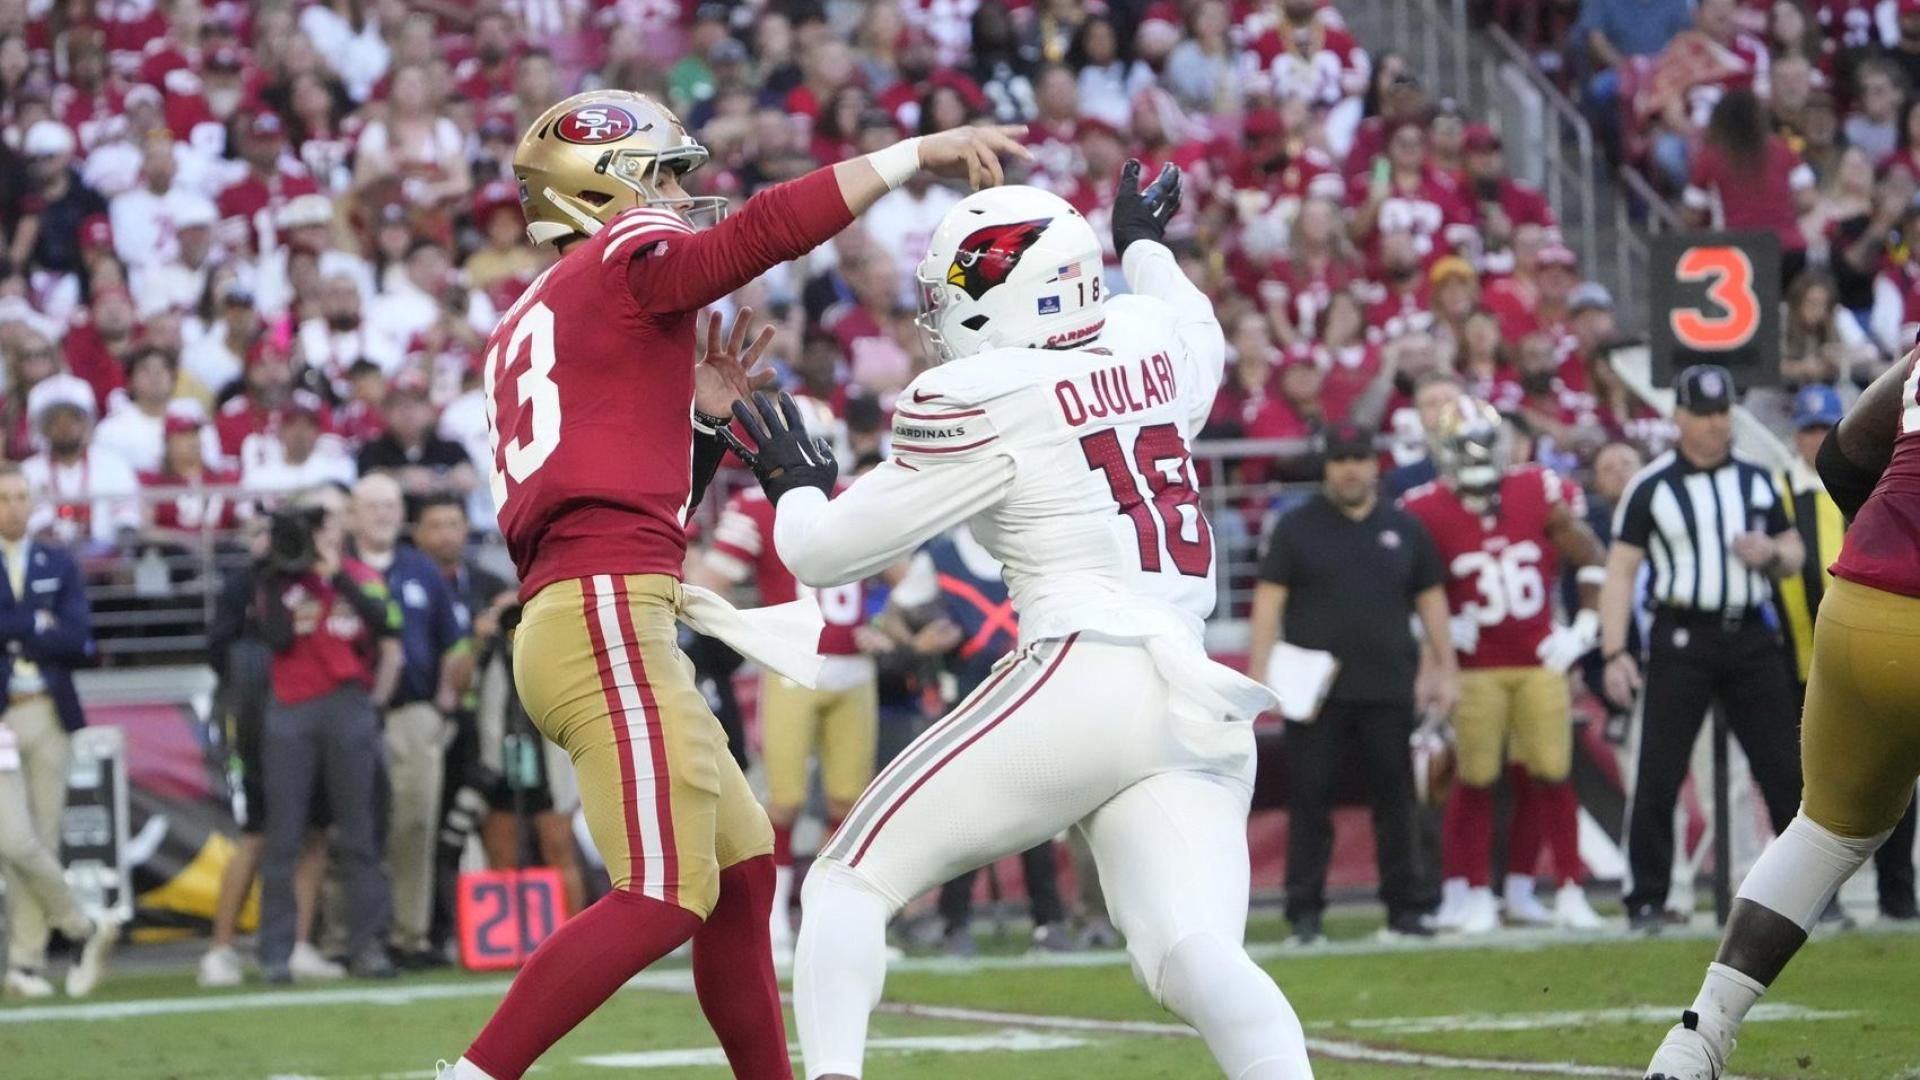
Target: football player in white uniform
[1058,428]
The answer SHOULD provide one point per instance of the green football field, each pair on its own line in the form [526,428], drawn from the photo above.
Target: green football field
[1523,1007]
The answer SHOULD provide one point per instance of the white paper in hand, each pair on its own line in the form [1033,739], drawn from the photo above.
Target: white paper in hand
[9,750]
[1301,677]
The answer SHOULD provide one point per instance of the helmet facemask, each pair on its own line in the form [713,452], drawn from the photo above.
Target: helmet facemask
[1472,452]
[640,170]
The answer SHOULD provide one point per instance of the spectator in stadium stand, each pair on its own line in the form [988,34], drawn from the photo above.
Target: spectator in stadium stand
[46,620]
[1306,55]
[1400,308]
[1320,261]
[334,631]
[1696,69]
[362,417]
[1482,360]
[414,146]
[305,226]
[266,394]
[1710,637]
[1108,81]
[1447,140]
[1346,572]
[273,177]
[1821,526]
[340,334]
[1553,410]
[98,345]
[1502,203]
[902,222]
[31,359]
[84,495]
[295,453]
[144,216]
[436,659]
[1454,294]
[1752,178]
[504,264]
[1873,124]
[177,283]
[1791,88]
[216,357]
[412,451]
[1203,71]
[134,427]
[1350,365]
[1904,51]
[1401,194]
[47,238]
[185,519]
[429,290]
[1820,342]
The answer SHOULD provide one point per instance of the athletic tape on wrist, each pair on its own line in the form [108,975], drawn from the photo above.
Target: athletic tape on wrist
[897,163]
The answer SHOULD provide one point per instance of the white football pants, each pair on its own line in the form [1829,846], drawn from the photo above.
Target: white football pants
[1073,731]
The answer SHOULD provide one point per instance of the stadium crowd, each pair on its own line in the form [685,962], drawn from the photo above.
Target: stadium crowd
[256,248]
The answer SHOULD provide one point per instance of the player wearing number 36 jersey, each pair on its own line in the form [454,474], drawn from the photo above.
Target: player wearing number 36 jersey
[1058,428]
[604,431]
[1502,530]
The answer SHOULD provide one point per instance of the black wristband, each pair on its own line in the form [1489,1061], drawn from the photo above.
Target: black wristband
[708,423]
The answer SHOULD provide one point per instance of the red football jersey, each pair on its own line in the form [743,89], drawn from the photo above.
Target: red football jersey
[1501,566]
[1882,546]
[589,381]
[744,538]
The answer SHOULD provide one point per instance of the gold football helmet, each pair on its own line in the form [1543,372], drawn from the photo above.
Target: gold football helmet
[597,154]
[1470,450]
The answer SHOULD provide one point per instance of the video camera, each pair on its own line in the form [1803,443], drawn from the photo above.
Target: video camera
[291,550]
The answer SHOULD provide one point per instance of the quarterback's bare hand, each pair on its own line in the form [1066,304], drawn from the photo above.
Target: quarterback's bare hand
[726,374]
[973,152]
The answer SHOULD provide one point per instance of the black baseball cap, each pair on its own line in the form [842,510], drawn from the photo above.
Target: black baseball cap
[1348,440]
[1704,389]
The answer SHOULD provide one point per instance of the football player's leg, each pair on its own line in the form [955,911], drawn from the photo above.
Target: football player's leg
[1001,772]
[1172,851]
[581,664]
[1466,851]
[849,737]
[1861,748]
[1542,745]
[787,730]
[733,951]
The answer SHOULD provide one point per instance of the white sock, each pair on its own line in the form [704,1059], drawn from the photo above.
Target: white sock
[1725,998]
[782,903]
[467,1070]
[1246,1021]
[1519,887]
[839,969]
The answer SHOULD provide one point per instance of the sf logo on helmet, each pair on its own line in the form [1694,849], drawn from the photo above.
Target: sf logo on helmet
[988,255]
[590,124]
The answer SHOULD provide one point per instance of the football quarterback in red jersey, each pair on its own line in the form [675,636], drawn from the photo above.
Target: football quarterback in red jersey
[1859,735]
[1502,530]
[604,432]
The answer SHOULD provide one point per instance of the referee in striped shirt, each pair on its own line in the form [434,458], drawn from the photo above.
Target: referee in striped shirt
[1718,535]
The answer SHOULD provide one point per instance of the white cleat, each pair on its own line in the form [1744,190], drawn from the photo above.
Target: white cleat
[85,973]
[1523,904]
[308,965]
[1453,904]
[220,968]
[1481,914]
[1571,910]
[29,985]
[1685,1054]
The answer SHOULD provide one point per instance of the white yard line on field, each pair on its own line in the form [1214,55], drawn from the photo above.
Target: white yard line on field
[1570,1020]
[1012,1040]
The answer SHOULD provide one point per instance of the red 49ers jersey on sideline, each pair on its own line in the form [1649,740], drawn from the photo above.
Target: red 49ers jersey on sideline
[1502,565]
[743,548]
[589,381]
[1882,546]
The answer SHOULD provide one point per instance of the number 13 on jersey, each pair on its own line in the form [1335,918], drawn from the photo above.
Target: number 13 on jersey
[1167,515]
[536,398]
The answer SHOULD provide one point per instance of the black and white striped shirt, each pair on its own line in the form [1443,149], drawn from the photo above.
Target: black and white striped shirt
[1686,518]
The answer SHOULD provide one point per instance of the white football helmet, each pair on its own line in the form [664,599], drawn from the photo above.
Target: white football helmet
[1011,267]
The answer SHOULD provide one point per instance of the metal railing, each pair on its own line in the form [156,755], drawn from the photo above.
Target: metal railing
[1570,170]
[1630,251]
[152,596]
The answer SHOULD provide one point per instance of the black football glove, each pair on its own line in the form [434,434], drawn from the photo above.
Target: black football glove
[784,456]
[1143,215]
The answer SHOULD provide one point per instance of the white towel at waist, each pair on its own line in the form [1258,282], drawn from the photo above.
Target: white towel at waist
[784,638]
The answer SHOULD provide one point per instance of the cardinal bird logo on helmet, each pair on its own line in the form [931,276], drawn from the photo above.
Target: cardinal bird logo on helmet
[986,257]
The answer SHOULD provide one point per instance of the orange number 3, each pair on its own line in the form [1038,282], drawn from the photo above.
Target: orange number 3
[1730,273]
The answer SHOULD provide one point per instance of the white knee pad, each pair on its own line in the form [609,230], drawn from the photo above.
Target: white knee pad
[1798,873]
[1247,1023]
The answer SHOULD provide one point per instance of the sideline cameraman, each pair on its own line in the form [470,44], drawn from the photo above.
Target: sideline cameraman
[336,659]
